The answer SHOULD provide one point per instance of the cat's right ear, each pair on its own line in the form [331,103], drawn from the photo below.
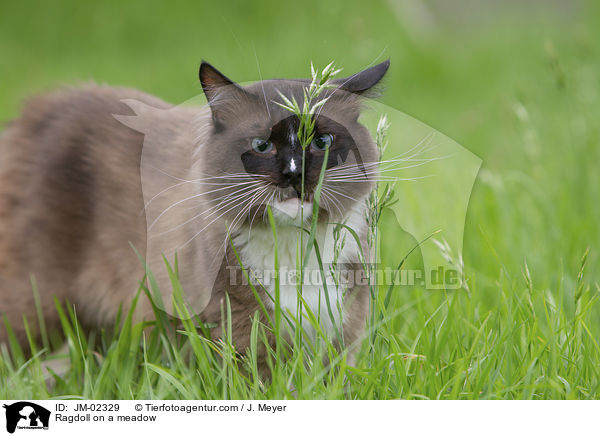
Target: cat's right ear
[364,81]
[219,90]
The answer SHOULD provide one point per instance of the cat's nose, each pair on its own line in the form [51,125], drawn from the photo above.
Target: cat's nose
[292,174]
[292,169]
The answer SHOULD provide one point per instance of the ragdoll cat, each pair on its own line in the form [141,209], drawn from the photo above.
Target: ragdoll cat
[85,183]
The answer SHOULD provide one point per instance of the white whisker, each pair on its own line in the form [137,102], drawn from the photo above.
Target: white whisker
[335,191]
[256,212]
[228,185]
[206,226]
[198,196]
[337,203]
[219,206]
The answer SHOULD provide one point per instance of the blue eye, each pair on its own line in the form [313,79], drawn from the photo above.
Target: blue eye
[322,142]
[261,145]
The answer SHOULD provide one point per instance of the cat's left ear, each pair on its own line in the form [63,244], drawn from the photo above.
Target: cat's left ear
[211,80]
[365,80]
[218,90]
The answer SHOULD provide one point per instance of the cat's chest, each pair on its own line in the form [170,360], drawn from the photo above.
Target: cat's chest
[257,250]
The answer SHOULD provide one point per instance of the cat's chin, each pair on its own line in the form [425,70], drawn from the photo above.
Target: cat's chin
[292,211]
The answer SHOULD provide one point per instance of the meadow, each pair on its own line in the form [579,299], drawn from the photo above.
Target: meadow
[517,85]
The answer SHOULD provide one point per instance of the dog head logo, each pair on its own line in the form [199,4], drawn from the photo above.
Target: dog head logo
[26,415]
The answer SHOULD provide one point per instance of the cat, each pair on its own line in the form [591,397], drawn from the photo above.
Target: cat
[94,177]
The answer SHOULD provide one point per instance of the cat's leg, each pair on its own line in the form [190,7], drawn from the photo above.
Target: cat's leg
[20,312]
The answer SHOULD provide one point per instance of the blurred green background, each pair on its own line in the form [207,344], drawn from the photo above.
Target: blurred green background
[516,82]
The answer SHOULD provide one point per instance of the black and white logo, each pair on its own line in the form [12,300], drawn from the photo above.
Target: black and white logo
[26,415]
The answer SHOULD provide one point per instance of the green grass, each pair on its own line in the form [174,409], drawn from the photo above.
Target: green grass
[518,88]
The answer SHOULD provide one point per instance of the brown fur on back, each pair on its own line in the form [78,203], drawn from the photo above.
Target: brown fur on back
[69,177]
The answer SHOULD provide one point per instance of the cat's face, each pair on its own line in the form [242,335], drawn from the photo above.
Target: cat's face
[253,144]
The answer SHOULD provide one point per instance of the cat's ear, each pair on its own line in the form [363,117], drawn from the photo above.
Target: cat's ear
[218,90]
[211,80]
[365,80]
